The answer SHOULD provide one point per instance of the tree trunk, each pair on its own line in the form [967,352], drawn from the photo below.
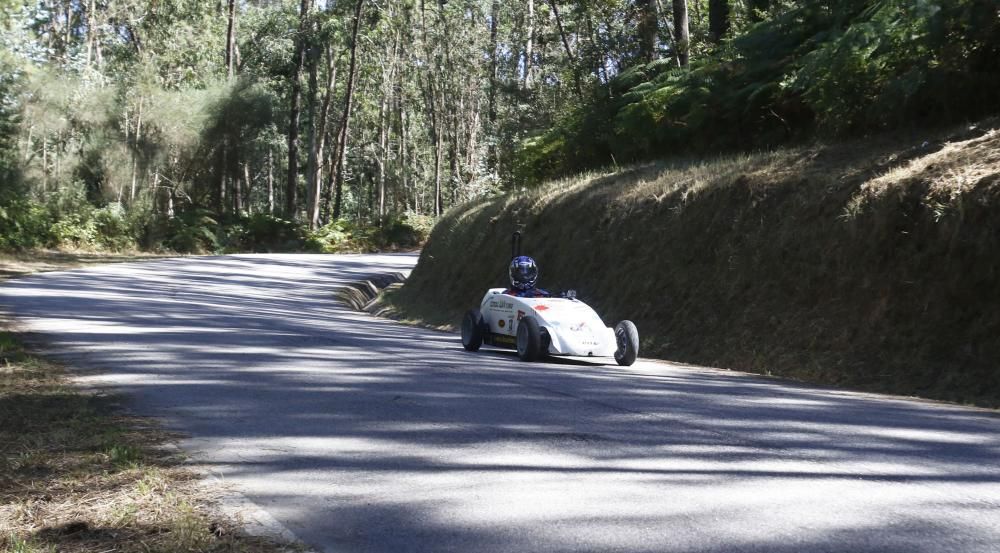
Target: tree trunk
[69,27]
[345,125]
[383,123]
[45,163]
[292,183]
[316,172]
[312,164]
[454,173]
[491,160]
[223,173]
[230,38]
[91,21]
[403,168]
[665,24]
[238,192]
[438,151]
[270,181]
[648,28]
[529,53]
[247,200]
[331,163]
[682,36]
[135,152]
[718,20]
[574,67]
[600,70]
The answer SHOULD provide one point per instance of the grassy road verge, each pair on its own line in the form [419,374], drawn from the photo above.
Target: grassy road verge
[77,474]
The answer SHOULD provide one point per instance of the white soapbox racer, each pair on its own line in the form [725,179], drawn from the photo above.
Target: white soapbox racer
[538,326]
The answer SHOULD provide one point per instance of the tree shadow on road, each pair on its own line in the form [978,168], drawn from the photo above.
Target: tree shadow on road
[368,435]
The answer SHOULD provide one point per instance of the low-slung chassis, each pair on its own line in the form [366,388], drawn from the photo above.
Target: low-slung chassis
[539,326]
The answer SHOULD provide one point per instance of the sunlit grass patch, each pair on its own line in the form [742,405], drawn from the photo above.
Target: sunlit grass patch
[14,264]
[76,475]
[80,477]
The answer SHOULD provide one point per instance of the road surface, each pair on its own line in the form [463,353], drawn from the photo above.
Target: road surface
[363,435]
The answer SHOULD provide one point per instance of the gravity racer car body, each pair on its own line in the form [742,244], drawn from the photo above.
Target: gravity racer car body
[539,326]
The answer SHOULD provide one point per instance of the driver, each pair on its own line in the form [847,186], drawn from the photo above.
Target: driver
[523,276]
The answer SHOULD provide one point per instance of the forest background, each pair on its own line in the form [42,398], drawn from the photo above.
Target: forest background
[267,125]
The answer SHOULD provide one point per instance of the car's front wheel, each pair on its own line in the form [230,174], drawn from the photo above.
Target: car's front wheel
[627,336]
[472,330]
[529,339]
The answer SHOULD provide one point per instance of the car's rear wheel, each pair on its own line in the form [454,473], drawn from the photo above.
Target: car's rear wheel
[529,339]
[472,330]
[627,337]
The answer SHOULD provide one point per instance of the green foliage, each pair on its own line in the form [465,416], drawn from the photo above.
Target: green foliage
[9,81]
[77,231]
[262,233]
[23,224]
[834,68]
[105,228]
[133,105]
[899,61]
[192,231]
[124,456]
[331,237]
[17,545]
[395,233]
[407,231]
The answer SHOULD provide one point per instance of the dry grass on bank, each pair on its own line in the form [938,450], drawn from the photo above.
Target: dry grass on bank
[78,475]
[873,264]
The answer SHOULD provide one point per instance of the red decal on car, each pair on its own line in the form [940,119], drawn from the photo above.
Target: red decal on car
[541,307]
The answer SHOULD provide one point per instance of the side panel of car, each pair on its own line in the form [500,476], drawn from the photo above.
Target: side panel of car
[501,316]
[571,326]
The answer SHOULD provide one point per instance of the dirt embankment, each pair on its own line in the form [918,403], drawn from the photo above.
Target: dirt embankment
[873,265]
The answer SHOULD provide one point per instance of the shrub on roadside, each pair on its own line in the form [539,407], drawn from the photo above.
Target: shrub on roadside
[192,231]
[263,233]
[330,238]
[24,224]
[395,233]
[107,228]
[407,231]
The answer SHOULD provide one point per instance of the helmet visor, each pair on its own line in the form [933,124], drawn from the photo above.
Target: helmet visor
[523,273]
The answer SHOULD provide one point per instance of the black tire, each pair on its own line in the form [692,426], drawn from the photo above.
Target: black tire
[472,330]
[627,337]
[529,339]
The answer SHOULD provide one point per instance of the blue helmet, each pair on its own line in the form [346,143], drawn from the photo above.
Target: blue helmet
[523,273]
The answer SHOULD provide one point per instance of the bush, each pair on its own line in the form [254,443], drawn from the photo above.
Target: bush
[262,233]
[24,224]
[407,231]
[192,231]
[75,230]
[115,231]
[395,233]
[84,227]
[65,221]
[330,238]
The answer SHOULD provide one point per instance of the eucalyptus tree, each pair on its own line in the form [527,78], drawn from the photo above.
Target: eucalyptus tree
[292,179]
[682,32]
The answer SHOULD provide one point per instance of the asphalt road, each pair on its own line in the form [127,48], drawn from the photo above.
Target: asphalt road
[360,434]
